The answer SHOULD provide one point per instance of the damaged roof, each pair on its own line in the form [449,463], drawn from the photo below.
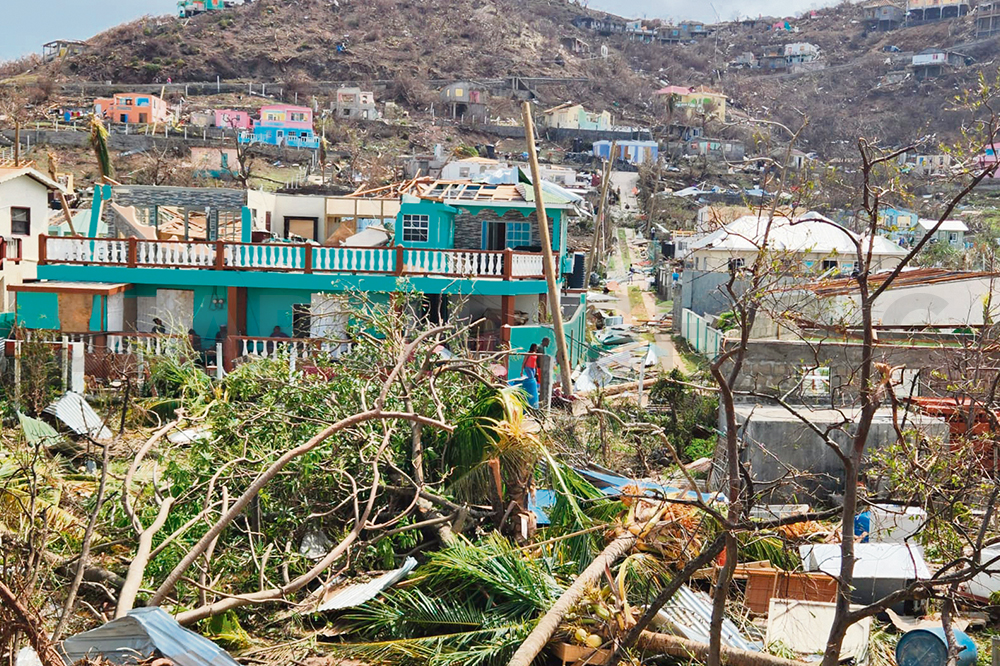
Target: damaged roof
[144,632]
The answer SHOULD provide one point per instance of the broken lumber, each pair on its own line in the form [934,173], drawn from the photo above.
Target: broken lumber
[675,646]
[542,633]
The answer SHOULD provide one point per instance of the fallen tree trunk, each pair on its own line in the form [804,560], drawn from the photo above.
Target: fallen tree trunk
[540,635]
[617,389]
[675,646]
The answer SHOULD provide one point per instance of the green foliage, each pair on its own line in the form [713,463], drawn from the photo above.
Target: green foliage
[689,421]
[579,506]
[474,604]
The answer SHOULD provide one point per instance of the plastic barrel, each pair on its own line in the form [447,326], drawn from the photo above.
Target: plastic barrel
[929,647]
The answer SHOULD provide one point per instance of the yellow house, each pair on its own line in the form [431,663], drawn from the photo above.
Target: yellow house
[694,100]
[574,116]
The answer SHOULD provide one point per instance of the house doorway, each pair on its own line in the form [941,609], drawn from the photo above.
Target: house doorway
[494,235]
[301,320]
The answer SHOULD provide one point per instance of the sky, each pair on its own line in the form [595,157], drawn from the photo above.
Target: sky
[36,22]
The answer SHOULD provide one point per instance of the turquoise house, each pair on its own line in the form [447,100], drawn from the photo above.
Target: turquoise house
[468,252]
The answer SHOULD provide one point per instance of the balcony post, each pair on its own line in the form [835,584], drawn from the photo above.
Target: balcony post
[220,256]
[399,260]
[133,252]
[309,258]
[42,249]
[508,263]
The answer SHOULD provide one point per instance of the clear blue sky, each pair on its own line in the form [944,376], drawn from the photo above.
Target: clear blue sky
[28,25]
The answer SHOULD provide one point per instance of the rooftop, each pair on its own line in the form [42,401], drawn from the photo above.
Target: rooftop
[910,277]
[809,233]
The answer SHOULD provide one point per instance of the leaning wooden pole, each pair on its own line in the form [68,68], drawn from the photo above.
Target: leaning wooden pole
[601,211]
[548,263]
[540,635]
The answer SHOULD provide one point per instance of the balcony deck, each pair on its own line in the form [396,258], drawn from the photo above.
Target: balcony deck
[285,258]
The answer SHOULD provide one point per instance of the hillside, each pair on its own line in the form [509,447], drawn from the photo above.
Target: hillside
[408,44]
[274,40]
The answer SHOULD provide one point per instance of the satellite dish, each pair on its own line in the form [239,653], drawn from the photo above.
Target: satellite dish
[604,50]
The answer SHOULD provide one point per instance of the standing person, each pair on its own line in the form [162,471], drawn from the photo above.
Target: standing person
[158,326]
[631,273]
[531,362]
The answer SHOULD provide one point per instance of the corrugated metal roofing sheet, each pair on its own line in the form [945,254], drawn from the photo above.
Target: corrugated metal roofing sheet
[38,432]
[142,632]
[81,418]
[689,614]
[355,595]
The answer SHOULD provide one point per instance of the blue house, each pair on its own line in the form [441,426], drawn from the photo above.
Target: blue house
[467,252]
[285,125]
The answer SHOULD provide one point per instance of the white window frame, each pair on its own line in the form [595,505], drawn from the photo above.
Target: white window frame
[416,228]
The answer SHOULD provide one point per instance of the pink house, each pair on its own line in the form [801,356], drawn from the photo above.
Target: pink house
[229,119]
[285,125]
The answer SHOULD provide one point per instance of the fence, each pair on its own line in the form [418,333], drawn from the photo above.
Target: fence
[702,337]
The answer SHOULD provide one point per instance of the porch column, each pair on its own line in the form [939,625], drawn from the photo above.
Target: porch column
[506,318]
[236,323]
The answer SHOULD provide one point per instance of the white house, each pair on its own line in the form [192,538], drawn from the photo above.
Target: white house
[470,168]
[951,232]
[807,243]
[24,215]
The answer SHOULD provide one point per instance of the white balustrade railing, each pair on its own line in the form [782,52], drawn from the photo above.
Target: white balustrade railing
[86,251]
[453,262]
[283,348]
[273,256]
[156,253]
[149,345]
[353,259]
[290,257]
[526,265]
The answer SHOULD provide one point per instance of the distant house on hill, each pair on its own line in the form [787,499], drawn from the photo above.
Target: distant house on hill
[575,45]
[921,11]
[355,104]
[285,125]
[934,62]
[573,116]
[230,119]
[987,19]
[188,8]
[138,108]
[696,100]
[62,48]
[603,26]
[885,14]
[465,100]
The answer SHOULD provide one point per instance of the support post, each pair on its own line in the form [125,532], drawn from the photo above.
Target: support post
[42,250]
[399,260]
[308,267]
[548,263]
[133,252]
[602,210]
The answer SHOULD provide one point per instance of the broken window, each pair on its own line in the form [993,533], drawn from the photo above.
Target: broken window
[20,221]
[830,264]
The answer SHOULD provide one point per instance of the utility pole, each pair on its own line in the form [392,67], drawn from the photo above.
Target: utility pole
[600,221]
[548,263]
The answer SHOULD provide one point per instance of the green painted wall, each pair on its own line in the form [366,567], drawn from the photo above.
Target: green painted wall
[37,309]
[441,224]
[522,337]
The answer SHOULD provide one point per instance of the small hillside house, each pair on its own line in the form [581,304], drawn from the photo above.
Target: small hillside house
[689,102]
[574,116]
[132,108]
[285,125]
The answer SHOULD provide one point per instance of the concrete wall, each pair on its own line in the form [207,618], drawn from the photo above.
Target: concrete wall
[703,292]
[779,447]
[146,196]
[776,366]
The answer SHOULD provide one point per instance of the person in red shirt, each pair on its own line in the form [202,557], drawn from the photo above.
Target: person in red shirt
[531,362]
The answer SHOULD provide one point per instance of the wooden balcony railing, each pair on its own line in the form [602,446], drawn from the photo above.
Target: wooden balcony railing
[10,250]
[288,257]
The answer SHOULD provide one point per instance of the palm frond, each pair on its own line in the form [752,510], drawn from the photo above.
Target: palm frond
[496,567]
[579,506]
